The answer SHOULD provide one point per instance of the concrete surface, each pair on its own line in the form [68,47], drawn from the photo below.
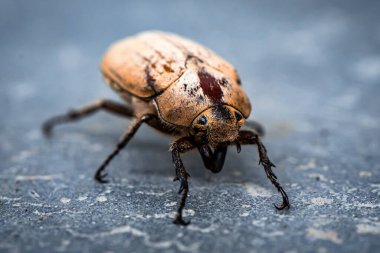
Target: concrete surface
[312,71]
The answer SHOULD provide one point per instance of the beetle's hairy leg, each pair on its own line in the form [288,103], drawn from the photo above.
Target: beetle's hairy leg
[76,114]
[255,126]
[213,161]
[127,136]
[181,146]
[250,137]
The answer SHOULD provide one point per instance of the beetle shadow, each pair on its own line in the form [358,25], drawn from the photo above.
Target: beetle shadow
[238,168]
[147,156]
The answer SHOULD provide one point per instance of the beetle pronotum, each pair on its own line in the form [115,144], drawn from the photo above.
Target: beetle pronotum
[182,89]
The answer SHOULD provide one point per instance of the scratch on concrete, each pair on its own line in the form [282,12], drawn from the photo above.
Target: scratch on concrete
[373,228]
[326,235]
[261,222]
[245,214]
[319,201]
[153,193]
[186,212]
[365,205]
[126,229]
[273,234]
[322,220]
[45,214]
[82,198]
[173,203]
[36,177]
[5,198]
[31,204]
[202,230]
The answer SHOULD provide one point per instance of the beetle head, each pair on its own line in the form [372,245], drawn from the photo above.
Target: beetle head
[217,125]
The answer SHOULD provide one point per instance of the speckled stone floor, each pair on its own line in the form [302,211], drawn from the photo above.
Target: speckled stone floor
[312,72]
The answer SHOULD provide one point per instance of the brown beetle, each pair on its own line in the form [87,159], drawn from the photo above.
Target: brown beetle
[182,89]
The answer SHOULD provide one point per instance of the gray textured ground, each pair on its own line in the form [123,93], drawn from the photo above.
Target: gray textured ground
[312,71]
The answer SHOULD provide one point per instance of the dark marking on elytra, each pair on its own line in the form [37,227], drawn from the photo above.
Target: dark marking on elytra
[192,91]
[149,78]
[221,112]
[223,82]
[151,81]
[238,80]
[210,86]
[167,68]
[193,57]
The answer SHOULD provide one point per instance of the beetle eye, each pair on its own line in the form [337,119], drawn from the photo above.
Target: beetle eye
[238,116]
[239,119]
[200,127]
[202,120]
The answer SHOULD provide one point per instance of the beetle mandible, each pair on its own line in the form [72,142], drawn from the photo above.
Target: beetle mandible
[181,89]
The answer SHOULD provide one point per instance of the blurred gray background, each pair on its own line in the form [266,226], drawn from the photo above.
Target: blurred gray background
[312,72]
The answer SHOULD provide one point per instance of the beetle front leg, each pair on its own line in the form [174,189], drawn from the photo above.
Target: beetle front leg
[250,137]
[181,146]
[127,136]
[76,114]
[213,161]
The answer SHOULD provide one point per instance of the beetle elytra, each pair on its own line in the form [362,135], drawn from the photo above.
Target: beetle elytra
[181,89]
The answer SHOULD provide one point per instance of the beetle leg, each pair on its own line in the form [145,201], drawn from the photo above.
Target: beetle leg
[250,137]
[127,136]
[76,114]
[213,161]
[181,146]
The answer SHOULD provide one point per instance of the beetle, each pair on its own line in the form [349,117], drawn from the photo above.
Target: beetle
[182,89]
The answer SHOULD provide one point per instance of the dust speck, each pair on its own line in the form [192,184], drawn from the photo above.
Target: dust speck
[171,204]
[365,173]
[101,198]
[310,165]
[245,214]
[319,201]
[257,191]
[65,200]
[326,235]
[82,198]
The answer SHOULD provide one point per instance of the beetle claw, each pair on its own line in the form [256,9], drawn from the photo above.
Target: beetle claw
[238,147]
[285,201]
[284,205]
[100,177]
[179,221]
